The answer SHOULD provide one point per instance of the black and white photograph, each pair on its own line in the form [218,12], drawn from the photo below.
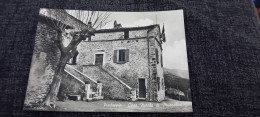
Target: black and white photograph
[109,61]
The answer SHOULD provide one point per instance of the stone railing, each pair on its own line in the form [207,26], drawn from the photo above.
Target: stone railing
[133,91]
[92,89]
[79,75]
[115,77]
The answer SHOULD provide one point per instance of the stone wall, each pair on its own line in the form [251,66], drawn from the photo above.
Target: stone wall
[70,85]
[107,36]
[159,69]
[64,17]
[156,89]
[138,33]
[129,72]
[112,88]
[119,35]
[44,61]
[138,65]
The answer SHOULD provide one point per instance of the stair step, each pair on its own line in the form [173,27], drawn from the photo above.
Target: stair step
[78,74]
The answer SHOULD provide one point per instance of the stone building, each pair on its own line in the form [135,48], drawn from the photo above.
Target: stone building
[127,61]
[132,56]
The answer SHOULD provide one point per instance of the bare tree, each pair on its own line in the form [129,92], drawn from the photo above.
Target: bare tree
[59,17]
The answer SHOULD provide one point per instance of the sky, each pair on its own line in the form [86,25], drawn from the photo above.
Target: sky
[174,50]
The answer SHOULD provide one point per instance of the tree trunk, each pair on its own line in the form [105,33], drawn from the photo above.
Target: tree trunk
[66,54]
[54,87]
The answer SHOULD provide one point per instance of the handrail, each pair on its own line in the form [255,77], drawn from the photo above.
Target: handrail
[74,76]
[82,73]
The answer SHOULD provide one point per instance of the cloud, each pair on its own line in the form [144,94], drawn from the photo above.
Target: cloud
[140,22]
[175,55]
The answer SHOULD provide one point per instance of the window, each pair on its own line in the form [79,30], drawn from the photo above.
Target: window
[161,61]
[99,59]
[121,56]
[126,34]
[154,76]
[158,83]
[157,55]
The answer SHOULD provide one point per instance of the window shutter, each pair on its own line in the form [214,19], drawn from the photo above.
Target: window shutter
[115,56]
[127,55]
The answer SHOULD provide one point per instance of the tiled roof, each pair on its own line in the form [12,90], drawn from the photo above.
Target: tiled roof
[126,29]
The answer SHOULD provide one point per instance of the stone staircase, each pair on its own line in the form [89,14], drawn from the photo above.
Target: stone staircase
[79,75]
[99,73]
[91,87]
[112,86]
[115,77]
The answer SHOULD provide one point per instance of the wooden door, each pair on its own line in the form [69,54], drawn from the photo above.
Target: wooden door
[142,88]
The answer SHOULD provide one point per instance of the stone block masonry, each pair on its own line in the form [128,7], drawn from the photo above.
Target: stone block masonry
[112,88]
[143,54]
[156,89]
[44,61]
[129,72]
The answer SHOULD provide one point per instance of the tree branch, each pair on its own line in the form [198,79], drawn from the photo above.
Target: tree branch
[57,18]
[77,37]
[72,52]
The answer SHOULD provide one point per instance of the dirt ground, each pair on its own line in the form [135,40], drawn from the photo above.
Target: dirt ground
[169,105]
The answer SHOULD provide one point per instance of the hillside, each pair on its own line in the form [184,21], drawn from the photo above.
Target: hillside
[173,81]
[177,72]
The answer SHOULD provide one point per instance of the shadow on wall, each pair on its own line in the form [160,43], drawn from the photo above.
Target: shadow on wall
[69,85]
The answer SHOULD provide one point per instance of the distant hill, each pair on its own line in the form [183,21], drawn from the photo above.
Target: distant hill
[177,72]
[175,81]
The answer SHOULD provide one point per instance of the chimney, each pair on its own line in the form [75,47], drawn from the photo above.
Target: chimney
[117,26]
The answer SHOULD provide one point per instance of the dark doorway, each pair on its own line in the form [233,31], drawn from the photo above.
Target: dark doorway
[142,89]
[99,59]
[126,34]
[74,59]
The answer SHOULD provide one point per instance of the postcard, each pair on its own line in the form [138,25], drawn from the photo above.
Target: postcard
[104,61]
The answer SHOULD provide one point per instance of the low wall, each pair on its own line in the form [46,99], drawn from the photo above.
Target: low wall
[70,85]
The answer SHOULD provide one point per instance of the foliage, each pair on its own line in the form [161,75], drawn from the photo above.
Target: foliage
[176,82]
